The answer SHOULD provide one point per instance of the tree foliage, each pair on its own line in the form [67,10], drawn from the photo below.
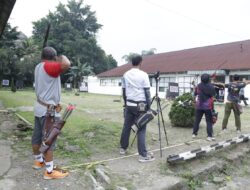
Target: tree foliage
[30,56]
[18,56]
[9,55]
[73,33]
[143,53]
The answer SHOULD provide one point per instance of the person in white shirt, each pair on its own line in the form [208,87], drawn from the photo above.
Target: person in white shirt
[137,100]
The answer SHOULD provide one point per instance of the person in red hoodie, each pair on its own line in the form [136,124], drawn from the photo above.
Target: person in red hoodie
[48,94]
[204,93]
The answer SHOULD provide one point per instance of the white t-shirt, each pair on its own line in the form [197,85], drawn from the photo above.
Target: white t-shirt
[134,81]
[47,88]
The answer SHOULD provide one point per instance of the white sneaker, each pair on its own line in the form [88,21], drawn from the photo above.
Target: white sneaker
[150,157]
[123,151]
[238,131]
[210,139]
[194,136]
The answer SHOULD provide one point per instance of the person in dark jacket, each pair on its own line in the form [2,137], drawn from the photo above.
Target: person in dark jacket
[232,102]
[204,93]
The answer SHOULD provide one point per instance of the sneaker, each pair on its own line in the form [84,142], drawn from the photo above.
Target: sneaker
[194,136]
[148,158]
[123,151]
[55,175]
[238,131]
[38,165]
[210,139]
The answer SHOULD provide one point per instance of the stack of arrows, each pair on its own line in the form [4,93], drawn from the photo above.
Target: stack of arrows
[67,112]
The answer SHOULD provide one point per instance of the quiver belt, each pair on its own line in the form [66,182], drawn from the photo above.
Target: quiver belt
[141,105]
[57,107]
[52,129]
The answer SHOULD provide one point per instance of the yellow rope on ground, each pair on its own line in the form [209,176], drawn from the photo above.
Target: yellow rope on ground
[23,119]
[91,164]
[4,111]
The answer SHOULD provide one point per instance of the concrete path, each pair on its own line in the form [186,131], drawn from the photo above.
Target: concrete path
[5,154]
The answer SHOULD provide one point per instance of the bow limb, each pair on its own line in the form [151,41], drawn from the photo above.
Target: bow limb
[46,36]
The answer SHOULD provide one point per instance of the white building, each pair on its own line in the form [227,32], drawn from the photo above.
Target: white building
[183,67]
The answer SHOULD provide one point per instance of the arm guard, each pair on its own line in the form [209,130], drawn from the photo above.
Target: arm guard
[124,96]
[148,97]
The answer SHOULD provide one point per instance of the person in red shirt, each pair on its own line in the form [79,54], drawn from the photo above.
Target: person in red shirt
[48,94]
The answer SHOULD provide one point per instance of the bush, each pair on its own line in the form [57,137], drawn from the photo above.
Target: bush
[182,111]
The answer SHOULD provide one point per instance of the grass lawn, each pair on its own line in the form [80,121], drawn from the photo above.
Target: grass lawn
[94,128]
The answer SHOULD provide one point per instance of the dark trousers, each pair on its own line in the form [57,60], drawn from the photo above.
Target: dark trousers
[228,107]
[131,114]
[198,116]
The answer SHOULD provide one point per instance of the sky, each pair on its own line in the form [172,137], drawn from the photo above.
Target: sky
[131,26]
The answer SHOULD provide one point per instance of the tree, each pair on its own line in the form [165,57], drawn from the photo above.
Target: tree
[128,57]
[112,63]
[30,56]
[73,33]
[148,52]
[77,73]
[9,55]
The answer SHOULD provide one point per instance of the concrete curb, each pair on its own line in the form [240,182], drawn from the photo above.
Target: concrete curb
[231,156]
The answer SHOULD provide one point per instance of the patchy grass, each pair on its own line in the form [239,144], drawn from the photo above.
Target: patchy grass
[16,99]
[192,182]
[94,127]
[29,116]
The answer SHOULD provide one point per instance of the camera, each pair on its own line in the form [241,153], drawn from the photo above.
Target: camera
[154,75]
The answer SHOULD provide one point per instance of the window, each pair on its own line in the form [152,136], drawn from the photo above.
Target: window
[164,83]
[110,82]
[162,89]
[185,84]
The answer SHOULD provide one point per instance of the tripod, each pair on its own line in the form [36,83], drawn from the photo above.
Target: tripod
[160,118]
[159,115]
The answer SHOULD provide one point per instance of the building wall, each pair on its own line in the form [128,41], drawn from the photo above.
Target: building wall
[112,86]
[94,86]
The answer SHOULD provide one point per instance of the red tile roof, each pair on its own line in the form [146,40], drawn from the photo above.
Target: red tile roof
[231,56]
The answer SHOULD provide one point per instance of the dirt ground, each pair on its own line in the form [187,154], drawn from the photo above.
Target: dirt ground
[121,173]
[125,172]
